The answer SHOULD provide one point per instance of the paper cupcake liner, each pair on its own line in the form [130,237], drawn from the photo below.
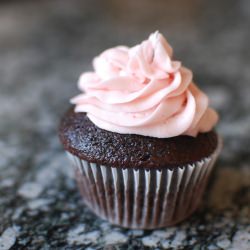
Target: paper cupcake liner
[142,198]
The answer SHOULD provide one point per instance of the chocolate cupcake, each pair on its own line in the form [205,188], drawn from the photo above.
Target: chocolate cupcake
[140,137]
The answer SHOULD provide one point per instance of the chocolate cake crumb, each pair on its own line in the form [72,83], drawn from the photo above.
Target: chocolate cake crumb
[85,140]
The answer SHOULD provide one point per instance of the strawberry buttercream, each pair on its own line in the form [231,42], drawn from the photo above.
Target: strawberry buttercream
[141,90]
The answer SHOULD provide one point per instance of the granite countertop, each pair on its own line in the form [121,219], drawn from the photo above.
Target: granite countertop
[44,46]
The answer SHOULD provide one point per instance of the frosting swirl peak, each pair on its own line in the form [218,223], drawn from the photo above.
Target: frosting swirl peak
[141,90]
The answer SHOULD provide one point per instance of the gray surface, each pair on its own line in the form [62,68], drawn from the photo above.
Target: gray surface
[44,46]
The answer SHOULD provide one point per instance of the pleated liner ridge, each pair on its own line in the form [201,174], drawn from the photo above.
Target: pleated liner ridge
[142,198]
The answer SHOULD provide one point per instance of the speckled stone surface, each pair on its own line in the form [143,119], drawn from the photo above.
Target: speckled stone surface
[44,46]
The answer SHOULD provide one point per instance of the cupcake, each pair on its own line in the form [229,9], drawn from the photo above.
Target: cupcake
[140,137]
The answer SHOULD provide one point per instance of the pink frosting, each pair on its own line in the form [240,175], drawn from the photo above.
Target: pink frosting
[141,90]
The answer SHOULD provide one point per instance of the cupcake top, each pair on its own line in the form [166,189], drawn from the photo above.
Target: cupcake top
[83,139]
[141,90]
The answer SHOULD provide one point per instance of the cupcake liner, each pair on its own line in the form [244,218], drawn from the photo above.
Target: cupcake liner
[140,198]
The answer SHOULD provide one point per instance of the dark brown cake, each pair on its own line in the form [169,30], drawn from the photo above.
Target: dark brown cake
[88,142]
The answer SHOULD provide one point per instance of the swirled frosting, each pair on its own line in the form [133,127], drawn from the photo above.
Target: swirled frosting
[141,90]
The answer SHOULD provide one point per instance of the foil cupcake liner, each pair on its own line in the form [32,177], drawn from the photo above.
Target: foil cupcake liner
[140,198]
